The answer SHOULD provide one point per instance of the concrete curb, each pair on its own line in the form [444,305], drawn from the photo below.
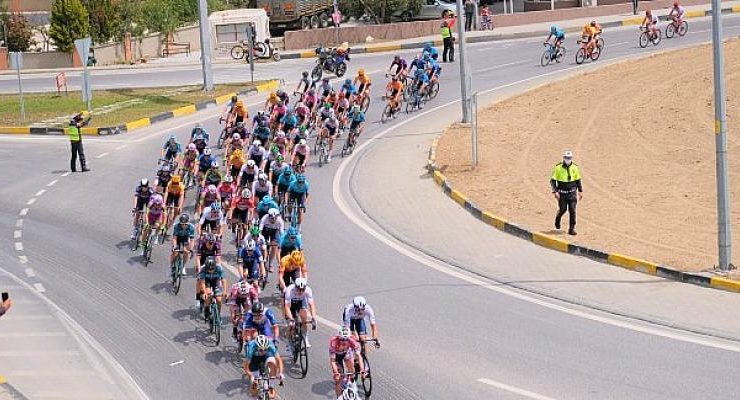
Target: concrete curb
[378,48]
[143,122]
[9,392]
[557,244]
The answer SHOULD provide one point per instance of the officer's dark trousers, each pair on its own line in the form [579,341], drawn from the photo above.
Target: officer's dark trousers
[77,150]
[448,53]
[567,202]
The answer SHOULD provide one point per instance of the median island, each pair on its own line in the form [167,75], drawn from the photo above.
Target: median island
[642,133]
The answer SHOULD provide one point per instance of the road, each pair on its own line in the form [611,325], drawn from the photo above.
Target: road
[446,333]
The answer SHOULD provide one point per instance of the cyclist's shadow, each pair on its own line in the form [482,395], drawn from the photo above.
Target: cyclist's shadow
[324,388]
[232,388]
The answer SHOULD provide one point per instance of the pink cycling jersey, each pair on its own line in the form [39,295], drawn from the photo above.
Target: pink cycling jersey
[337,346]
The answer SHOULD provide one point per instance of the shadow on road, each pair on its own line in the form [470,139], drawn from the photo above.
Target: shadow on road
[235,387]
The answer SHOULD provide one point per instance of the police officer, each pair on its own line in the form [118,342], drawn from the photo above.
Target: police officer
[75,139]
[566,187]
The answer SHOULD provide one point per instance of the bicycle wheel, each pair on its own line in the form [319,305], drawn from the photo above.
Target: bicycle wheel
[559,55]
[316,73]
[656,39]
[303,357]
[683,29]
[387,114]
[367,381]
[237,52]
[341,69]
[596,53]
[215,321]
[222,138]
[177,274]
[148,250]
[365,103]
[670,30]
[600,42]
[545,59]
[261,50]
[644,40]
[580,55]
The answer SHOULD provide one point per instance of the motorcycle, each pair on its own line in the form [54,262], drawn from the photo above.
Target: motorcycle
[331,61]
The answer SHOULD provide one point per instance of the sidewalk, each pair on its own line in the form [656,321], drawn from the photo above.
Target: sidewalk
[43,355]
[430,221]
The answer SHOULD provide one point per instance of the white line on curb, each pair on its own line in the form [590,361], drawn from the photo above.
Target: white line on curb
[31,201]
[19,223]
[121,147]
[23,212]
[17,234]
[30,272]
[18,246]
[66,173]
[23,259]
[40,192]
[39,287]
[512,389]
[52,183]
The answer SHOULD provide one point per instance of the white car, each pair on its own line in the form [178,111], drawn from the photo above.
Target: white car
[430,9]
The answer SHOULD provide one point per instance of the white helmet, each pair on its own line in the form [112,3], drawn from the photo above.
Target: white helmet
[273,212]
[262,176]
[344,333]
[144,182]
[567,154]
[207,151]
[191,146]
[250,163]
[246,193]
[236,136]
[251,245]
[243,288]
[262,342]
[281,134]
[257,142]
[359,302]
[228,179]
[301,283]
[302,142]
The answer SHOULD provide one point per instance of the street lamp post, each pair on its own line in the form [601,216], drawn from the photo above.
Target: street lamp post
[205,45]
[465,78]
[724,237]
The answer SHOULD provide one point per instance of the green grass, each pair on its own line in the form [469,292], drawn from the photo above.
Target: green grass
[150,101]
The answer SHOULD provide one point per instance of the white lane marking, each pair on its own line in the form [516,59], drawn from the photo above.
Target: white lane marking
[102,155]
[40,192]
[421,258]
[66,173]
[23,212]
[19,223]
[516,390]
[17,234]
[39,287]
[31,334]
[121,146]
[620,43]
[84,337]
[31,201]
[23,259]
[18,246]
[503,65]
[52,183]
[172,364]
[40,353]
[30,273]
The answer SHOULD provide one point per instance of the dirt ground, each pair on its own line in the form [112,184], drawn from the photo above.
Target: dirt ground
[642,133]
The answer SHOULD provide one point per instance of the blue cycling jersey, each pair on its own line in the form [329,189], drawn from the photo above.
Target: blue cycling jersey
[205,161]
[358,117]
[289,119]
[297,187]
[173,147]
[263,326]
[186,231]
[253,351]
[216,275]
[294,244]
[350,89]
[559,34]
[264,206]
[202,132]
[285,179]
[250,261]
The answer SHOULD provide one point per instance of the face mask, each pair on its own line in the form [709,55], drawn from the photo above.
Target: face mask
[567,161]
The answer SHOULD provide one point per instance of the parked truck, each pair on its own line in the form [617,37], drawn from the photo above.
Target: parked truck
[297,14]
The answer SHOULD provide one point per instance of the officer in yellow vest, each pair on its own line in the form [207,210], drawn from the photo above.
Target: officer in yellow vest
[447,40]
[566,187]
[75,139]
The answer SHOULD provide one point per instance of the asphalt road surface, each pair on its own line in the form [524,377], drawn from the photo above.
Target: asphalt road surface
[445,335]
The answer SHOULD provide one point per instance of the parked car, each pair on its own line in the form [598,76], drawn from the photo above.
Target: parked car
[430,9]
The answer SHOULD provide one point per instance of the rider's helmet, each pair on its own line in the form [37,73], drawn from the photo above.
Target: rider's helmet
[240,125]
[593,23]
[305,74]
[325,80]
[262,177]
[207,151]
[184,218]
[427,56]
[191,146]
[273,96]
[176,179]
[648,12]
[301,178]
[297,256]
[301,283]
[234,99]
[359,302]
[236,136]
[157,199]
[250,163]
[257,143]
[348,81]
[173,137]
[273,212]
[344,333]
[254,230]
[675,4]
[215,207]
[279,158]
[396,58]
[251,245]
[214,164]
[243,288]
[553,29]
[210,238]
[302,142]
[211,262]
[258,308]
[212,189]
[228,179]
[361,72]
[246,193]
[280,103]
[262,342]
[327,106]
[144,182]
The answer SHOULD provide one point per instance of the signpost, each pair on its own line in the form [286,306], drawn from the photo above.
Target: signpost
[251,30]
[83,50]
[16,61]
[61,81]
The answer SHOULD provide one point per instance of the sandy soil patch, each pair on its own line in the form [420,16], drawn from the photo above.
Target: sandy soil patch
[642,133]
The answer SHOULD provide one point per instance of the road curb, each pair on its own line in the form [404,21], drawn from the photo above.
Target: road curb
[143,122]
[557,244]
[381,47]
[8,391]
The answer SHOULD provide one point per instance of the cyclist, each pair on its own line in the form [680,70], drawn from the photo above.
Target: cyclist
[205,248]
[236,163]
[285,178]
[142,194]
[238,137]
[357,121]
[261,187]
[290,241]
[256,235]
[354,314]
[198,129]
[265,205]
[279,148]
[262,131]
[175,194]
[171,149]
[343,348]
[242,207]
[558,35]
[417,63]
[325,88]
[164,175]
[243,295]
[341,107]
[211,282]
[240,112]
[401,66]
[212,218]
[209,196]
[276,169]
[228,111]
[651,23]
[677,14]
[349,89]
[259,352]
[226,192]
[204,163]
[252,265]
[302,113]
[292,267]
[188,160]
[155,216]
[421,79]
[288,122]
[429,51]
[260,321]
[588,36]
[257,153]
[272,226]
[213,175]
[394,90]
[283,96]
[260,117]
[278,112]
[362,82]
[305,82]
[248,173]
[298,193]
[329,129]
[298,302]
[200,143]
[311,99]
[300,155]
[183,235]
[271,101]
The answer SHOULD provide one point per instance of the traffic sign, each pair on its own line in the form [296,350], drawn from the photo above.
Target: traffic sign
[83,49]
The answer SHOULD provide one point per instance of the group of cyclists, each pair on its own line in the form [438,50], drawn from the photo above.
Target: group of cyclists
[257,190]
[592,31]
[412,81]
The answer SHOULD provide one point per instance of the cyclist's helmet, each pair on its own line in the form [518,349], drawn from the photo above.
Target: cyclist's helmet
[288,171]
[144,182]
[173,137]
[211,189]
[176,179]
[258,308]
[356,108]
[344,333]
[325,80]
[553,29]
[262,342]
[166,168]
[246,193]
[257,143]
[279,158]
[236,136]
[301,283]
[273,95]
[207,151]
[302,142]
[427,56]
[361,72]
[234,99]
[297,256]
[214,164]
[184,218]
[273,212]
[251,245]
[305,74]
[261,113]
[648,12]
[280,103]
[228,179]
[157,199]
[215,207]
[348,81]
[396,58]
[301,178]
[394,78]
[243,288]
[250,163]
[267,199]
[327,106]
[341,95]
[292,231]
[262,177]
[211,262]
[210,238]
[191,146]
[255,230]
[359,302]
[349,395]
[593,23]
[675,4]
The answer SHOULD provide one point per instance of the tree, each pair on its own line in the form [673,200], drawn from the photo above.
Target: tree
[378,10]
[69,21]
[19,33]
[163,16]
[104,19]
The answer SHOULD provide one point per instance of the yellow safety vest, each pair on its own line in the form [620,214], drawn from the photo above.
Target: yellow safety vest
[74,133]
[566,174]
[445,31]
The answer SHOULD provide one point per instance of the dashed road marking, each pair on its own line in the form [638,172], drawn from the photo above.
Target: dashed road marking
[30,273]
[121,146]
[31,201]
[512,389]
[23,259]
[17,234]
[19,223]
[66,173]
[40,192]
[172,364]
[39,287]
[52,183]
[23,212]
[102,155]
[18,246]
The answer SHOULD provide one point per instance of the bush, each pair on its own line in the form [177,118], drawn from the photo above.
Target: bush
[19,33]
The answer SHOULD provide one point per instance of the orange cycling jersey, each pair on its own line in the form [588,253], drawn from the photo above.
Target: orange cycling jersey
[395,86]
[237,160]
[175,189]
[287,264]
[241,111]
[364,79]
[589,30]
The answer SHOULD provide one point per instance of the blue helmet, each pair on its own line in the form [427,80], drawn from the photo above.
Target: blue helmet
[426,56]
[292,231]
[348,81]
[553,29]
[173,137]
[266,199]
[301,178]
[427,47]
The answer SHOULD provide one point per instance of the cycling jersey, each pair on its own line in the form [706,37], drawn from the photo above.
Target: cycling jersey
[277,169]
[395,87]
[155,213]
[276,223]
[200,131]
[186,231]
[204,251]
[348,89]
[351,313]
[432,51]
[204,162]
[298,299]
[261,189]
[213,177]
[400,65]
[256,153]
[209,215]
[559,34]
[175,189]
[262,324]
[289,120]
[301,149]
[280,111]
[253,351]
[298,188]
[342,104]
[287,264]
[331,123]
[251,262]
[212,278]
[172,147]
[286,243]
[143,192]
[226,191]
[340,347]
[259,240]
[678,12]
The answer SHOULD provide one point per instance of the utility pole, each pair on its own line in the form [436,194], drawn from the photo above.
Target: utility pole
[205,45]
[464,75]
[724,237]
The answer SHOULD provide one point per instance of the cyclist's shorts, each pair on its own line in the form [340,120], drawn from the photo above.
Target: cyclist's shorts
[394,92]
[235,171]
[182,241]
[361,88]
[270,234]
[152,218]
[300,157]
[282,188]
[253,271]
[140,203]
[215,285]
[300,198]
[258,194]
[212,224]
[170,155]
[173,200]
[358,325]
[355,125]
[238,119]
[332,131]
[289,277]
[341,110]
[297,305]
[241,215]
[340,358]
[256,362]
